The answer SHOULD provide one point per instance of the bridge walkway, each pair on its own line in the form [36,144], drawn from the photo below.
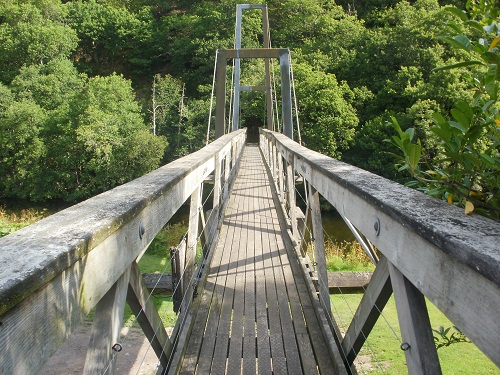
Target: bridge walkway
[255,312]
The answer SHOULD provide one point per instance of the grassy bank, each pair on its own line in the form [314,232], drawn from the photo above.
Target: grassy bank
[382,352]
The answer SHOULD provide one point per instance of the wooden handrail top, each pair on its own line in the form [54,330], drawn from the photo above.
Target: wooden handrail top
[32,256]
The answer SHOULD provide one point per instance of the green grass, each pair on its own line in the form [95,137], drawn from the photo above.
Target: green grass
[346,256]
[383,349]
[165,309]
[157,258]
[15,219]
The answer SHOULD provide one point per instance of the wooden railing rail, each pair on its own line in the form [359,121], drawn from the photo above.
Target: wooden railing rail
[429,248]
[60,268]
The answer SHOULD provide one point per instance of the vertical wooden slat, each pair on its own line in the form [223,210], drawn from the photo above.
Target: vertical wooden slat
[421,354]
[192,239]
[227,171]
[319,246]
[217,185]
[280,177]
[106,328]
[290,186]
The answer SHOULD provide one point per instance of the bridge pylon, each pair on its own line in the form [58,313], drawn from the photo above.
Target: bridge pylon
[238,53]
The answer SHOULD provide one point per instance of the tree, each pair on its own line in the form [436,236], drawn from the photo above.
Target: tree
[27,37]
[66,136]
[466,169]
[328,121]
[21,148]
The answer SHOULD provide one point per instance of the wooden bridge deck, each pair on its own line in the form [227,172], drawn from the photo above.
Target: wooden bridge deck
[255,314]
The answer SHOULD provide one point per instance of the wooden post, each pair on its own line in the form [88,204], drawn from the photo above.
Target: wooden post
[272,160]
[220,93]
[290,186]
[106,329]
[280,176]
[286,93]
[203,233]
[177,258]
[418,342]
[319,246]
[192,240]
[147,315]
[227,170]
[217,186]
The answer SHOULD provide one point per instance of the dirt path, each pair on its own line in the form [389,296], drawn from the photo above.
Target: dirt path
[136,358]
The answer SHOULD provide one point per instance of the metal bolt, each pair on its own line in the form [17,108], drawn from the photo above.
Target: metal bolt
[376,226]
[141,231]
[405,346]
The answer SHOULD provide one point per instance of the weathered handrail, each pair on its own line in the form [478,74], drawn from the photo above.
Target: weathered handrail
[429,248]
[55,270]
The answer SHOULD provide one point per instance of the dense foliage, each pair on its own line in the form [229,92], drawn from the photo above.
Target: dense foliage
[82,81]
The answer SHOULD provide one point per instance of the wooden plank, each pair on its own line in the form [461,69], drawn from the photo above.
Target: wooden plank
[338,282]
[105,332]
[275,329]
[186,328]
[308,339]
[373,302]
[227,281]
[421,354]
[200,324]
[255,53]
[234,361]
[348,282]
[288,332]
[249,339]
[263,342]
[158,283]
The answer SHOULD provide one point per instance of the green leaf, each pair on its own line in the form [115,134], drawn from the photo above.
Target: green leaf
[489,159]
[458,126]
[487,105]
[458,41]
[492,90]
[461,117]
[492,75]
[491,57]
[440,119]
[466,109]
[457,12]
[474,24]
[413,152]
[458,65]
[410,132]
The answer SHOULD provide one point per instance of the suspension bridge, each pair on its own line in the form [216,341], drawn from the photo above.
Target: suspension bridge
[256,300]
